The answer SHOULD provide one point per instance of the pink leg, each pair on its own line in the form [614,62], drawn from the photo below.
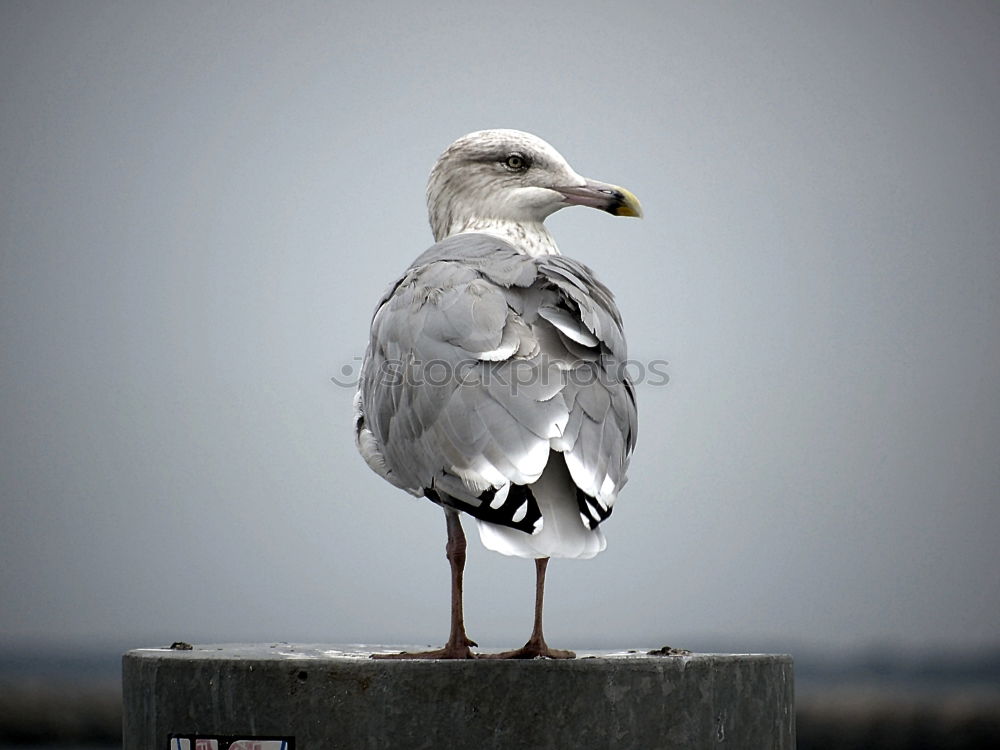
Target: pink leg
[458,645]
[536,646]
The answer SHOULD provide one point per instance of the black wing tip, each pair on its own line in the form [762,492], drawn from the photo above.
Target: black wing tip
[518,495]
[592,511]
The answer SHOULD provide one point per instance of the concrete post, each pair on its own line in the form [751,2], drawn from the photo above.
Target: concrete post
[299,697]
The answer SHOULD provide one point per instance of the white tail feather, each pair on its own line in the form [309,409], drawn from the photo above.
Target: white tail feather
[563,533]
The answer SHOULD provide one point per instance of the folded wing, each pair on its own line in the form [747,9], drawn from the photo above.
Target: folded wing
[482,363]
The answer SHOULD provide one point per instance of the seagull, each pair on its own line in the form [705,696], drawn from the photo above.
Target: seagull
[495,383]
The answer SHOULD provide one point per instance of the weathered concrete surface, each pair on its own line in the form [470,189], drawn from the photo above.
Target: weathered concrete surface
[324,699]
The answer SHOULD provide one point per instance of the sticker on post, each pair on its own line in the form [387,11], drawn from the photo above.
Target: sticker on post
[234,742]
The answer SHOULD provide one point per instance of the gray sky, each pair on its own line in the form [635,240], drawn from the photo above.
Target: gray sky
[202,202]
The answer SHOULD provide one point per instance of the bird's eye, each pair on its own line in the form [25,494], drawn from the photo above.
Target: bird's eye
[515,162]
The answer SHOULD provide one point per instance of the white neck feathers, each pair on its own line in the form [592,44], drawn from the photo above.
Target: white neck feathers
[530,238]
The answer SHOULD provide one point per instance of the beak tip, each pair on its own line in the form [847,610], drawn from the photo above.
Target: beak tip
[629,205]
[626,210]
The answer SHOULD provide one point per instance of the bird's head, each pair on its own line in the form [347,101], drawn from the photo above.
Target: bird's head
[507,182]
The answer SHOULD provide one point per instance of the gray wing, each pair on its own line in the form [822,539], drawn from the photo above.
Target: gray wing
[602,426]
[483,360]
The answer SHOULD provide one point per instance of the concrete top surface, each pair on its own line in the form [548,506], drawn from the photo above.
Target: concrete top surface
[353,652]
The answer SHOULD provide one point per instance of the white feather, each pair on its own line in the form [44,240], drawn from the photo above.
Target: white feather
[563,533]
